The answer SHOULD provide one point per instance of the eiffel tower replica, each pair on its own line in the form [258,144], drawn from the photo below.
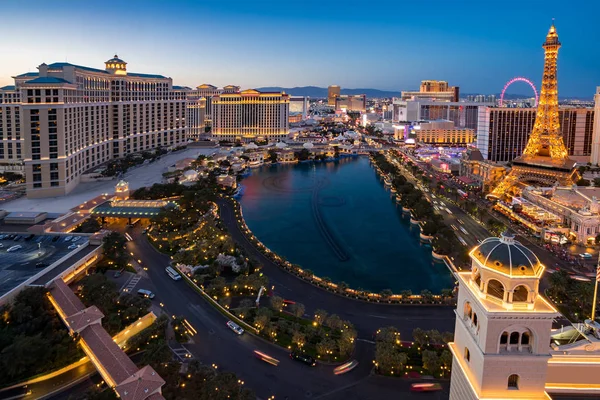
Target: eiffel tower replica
[545,160]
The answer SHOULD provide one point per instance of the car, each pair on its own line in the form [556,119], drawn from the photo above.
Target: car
[1,245]
[55,238]
[28,238]
[2,236]
[41,264]
[304,358]
[73,246]
[266,358]
[118,273]
[425,387]
[76,238]
[235,327]
[585,255]
[14,248]
[68,238]
[17,238]
[145,230]
[346,367]
[145,293]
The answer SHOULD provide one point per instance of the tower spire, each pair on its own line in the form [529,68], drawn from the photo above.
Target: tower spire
[545,159]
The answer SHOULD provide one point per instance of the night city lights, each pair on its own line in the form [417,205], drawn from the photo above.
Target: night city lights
[267,200]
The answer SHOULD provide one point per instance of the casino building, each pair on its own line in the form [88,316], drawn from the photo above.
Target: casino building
[66,119]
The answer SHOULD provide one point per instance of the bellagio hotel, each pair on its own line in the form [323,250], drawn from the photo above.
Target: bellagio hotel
[65,120]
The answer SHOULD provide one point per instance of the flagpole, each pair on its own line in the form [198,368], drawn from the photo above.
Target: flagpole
[596,290]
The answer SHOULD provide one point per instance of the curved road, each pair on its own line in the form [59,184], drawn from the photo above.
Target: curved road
[216,343]
[366,317]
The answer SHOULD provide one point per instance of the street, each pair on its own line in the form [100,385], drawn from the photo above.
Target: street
[216,344]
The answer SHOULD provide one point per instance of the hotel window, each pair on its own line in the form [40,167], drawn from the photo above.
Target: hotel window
[513,382]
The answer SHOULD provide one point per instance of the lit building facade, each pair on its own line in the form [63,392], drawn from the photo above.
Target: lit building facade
[463,114]
[199,107]
[502,133]
[595,156]
[476,168]
[444,133]
[351,103]
[78,118]
[250,115]
[433,90]
[504,344]
[11,140]
[333,91]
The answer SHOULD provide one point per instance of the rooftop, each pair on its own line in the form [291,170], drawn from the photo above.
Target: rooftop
[9,87]
[508,256]
[47,79]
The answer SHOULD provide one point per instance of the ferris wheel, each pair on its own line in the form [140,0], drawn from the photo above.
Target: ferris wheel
[519,79]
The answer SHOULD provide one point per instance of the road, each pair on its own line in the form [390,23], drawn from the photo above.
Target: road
[366,317]
[216,343]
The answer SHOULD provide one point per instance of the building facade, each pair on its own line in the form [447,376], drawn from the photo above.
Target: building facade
[351,103]
[486,173]
[463,114]
[433,90]
[11,140]
[333,91]
[78,118]
[595,156]
[249,115]
[444,133]
[502,133]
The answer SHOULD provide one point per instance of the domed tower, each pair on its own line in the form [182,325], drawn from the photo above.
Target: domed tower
[116,66]
[502,336]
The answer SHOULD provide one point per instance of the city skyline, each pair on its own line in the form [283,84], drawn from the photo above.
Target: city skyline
[391,48]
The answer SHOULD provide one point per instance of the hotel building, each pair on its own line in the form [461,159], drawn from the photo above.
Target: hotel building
[595,157]
[502,133]
[433,90]
[11,141]
[73,118]
[463,114]
[351,103]
[333,91]
[199,107]
[443,133]
[250,115]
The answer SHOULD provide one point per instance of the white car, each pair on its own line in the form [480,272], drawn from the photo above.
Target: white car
[76,238]
[235,327]
[14,248]
[68,238]
[73,246]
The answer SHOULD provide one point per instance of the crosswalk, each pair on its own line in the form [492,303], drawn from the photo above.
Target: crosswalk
[129,286]
[182,353]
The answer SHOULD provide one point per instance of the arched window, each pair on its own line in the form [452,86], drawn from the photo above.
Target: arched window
[468,310]
[513,381]
[496,289]
[514,338]
[475,319]
[504,338]
[478,280]
[525,338]
[467,354]
[520,293]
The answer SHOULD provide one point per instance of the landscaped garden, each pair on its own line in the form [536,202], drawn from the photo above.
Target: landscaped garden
[426,355]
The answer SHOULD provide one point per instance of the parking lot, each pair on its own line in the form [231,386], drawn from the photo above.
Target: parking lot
[36,253]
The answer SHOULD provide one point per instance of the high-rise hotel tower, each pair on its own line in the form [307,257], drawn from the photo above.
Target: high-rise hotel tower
[67,119]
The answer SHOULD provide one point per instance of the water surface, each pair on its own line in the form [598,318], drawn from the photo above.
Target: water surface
[338,220]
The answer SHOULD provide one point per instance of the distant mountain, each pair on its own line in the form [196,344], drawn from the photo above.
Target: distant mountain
[319,92]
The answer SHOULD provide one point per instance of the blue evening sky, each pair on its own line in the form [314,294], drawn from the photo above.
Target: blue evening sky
[390,45]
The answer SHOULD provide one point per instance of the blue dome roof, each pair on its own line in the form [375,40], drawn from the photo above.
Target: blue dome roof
[116,59]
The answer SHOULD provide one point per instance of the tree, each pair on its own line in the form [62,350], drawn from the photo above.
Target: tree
[446,359]
[334,321]
[431,361]
[261,321]
[272,157]
[299,339]
[447,337]
[90,225]
[298,310]
[420,336]
[97,290]
[320,316]
[325,347]
[386,294]
[388,359]
[276,303]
